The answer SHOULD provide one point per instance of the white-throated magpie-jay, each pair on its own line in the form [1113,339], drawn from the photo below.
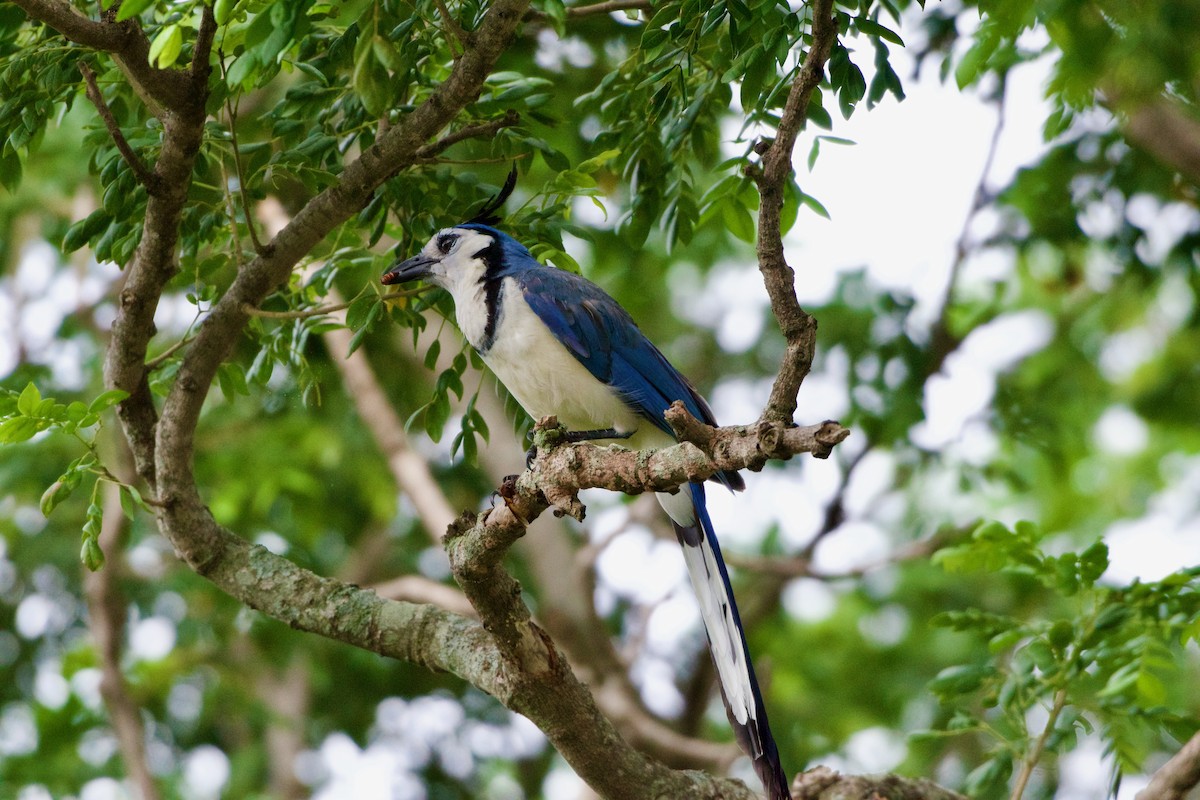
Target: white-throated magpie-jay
[561,346]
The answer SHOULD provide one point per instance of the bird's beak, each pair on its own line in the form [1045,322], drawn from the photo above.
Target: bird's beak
[410,269]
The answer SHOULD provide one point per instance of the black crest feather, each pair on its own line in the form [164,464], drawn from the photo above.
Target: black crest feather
[487,215]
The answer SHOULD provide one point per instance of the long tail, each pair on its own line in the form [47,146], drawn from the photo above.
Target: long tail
[726,638]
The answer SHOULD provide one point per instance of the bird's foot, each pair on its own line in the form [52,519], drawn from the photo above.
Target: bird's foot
[572,437]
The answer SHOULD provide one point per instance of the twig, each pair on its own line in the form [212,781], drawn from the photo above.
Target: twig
[942,341]
[468,132]
[608,7]
[835,511]
[143,174]
[1035,754]
[1178,776]
[231,111]
[329,309]
[798,328]
[452,25]
[801,566]
[204,41]
[159,359]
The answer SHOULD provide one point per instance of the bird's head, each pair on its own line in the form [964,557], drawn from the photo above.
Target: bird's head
[462,256]
[454,257]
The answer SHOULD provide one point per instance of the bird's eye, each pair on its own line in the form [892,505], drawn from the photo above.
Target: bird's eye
[446,241]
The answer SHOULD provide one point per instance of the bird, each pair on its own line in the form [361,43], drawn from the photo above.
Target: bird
[562,346]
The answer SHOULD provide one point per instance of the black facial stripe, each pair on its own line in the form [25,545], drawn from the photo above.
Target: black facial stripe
[491,299]
[493,261]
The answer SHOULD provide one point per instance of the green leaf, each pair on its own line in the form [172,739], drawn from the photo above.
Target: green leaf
[84,230]
[223,10]
[91,555]
[975,60]
[231,377]
[597,161]
[166,45]
[431,355]
[107,400]
[357,339]
[437,413]
[961,679]
[57,492]
[372,83]
[131,8]
[1093,563]
[131,501]
[28,401]
[813,204]
[738,221]
[18,429]
[873,28]
[986,779]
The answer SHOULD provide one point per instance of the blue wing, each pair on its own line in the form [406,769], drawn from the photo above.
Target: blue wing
[606,340]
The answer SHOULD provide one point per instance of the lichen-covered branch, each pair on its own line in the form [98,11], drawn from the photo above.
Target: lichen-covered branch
[560,473]
[563,571]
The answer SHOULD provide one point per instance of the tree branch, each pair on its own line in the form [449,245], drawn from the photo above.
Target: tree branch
[153,264]
[595,9]
[565,579]
[107,612]
[798,328]
[477,545]
[482,129]
[410,470]
[202,51]
[160,89]
[144,176]
[823,783]
[1165,130]
[79,29]
[1178,776]
[608,7]
[587,740]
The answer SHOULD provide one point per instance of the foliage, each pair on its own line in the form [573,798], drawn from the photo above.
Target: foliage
[632,133]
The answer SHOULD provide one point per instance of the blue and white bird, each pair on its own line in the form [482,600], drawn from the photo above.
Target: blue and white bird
[561,346]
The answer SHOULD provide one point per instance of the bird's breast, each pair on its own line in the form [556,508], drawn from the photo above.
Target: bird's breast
[544,377]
